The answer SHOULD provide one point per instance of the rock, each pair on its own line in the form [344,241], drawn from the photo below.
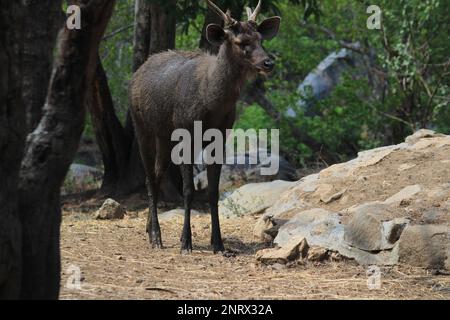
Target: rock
[290,202]
[320,228]
[81,172]
[111,210]
[317,254]
[434,215]
[421,134]
[239,170]
[389,204]
[80,178]
[372,229]
[296,248]
[176,213]
[253,198]
[132,215]
[333,197]
[439,192]
[323,228]
[406,166]
[404,194]
[320,82]
[278,266]
[426,246]
[365,159]
[261,227]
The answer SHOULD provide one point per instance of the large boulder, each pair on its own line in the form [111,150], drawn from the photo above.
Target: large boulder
[425,246]
[246,168]
[373,228]
[176,213]
[389,205]
[253,198]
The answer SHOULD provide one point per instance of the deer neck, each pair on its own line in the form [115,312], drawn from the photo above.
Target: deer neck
[229,76]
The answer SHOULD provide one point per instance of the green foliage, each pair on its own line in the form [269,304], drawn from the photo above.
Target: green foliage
[412,55]
[415,51]
[116,53]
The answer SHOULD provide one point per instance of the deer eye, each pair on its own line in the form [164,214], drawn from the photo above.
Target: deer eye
[245,47]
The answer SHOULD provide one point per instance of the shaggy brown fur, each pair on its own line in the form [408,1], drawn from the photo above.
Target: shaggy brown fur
[173,89]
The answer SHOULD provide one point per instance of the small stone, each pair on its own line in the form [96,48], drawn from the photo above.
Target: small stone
[406,166]
[333,197]
[261,227]
[294,249]
[317,254]
[111,210]
[133,215]
[404,194]
[278,266]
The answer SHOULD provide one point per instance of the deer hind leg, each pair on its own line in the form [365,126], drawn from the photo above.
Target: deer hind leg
[188,194]
[148,152]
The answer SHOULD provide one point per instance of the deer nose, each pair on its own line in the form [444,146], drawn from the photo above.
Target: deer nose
[269,64]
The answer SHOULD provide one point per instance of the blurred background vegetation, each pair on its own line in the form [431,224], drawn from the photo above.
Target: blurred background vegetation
[409,60]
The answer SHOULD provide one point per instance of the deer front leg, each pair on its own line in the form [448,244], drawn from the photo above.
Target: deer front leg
[188,194]
[213,172]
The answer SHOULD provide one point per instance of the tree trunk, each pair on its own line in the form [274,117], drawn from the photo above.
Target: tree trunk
[154,32]
[43,19]
[110,135]
[163,26]
[141,33]
[12,140]
[162,37]
[52,146]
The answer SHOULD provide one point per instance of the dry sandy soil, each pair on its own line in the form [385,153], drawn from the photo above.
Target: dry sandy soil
[116,262]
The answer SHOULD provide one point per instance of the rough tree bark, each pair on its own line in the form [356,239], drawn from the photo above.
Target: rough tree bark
[12,140]
[51,147]
[163,26]
[142,31]
[110,135]
[43,19]
[154,32]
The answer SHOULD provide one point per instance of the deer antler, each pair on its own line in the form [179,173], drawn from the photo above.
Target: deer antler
[252,15]
[226,17]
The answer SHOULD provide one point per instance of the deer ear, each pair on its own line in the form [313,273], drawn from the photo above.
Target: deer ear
[269,28]
[215,34]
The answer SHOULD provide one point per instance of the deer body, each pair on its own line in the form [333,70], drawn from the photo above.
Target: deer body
[174,89]
[189,86]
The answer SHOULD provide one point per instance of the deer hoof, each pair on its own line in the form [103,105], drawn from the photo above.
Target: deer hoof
[155,241]
[186,246]
[218,248]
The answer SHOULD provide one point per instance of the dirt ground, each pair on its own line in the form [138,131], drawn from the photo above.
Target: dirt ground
[116,262]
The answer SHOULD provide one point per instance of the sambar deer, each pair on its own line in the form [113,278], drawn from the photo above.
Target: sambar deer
[174,89]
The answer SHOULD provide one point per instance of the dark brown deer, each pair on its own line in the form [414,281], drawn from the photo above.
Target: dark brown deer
[174,89]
